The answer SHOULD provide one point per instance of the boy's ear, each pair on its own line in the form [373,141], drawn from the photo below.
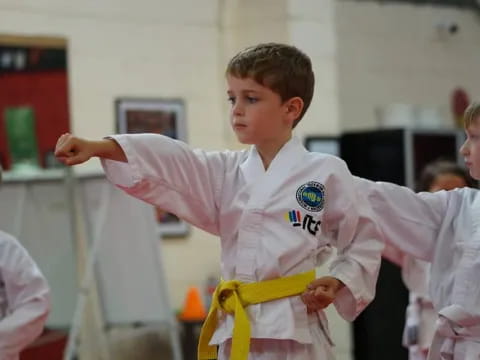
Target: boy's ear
[294,107]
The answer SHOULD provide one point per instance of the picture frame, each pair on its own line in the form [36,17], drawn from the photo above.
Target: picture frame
[159,116]
[324,144]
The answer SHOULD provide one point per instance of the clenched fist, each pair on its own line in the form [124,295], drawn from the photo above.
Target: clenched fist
[72,150]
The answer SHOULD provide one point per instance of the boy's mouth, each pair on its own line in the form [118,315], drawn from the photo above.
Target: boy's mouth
[239,126]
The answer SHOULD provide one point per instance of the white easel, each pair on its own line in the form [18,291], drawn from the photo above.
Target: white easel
[53,215]
[104,229]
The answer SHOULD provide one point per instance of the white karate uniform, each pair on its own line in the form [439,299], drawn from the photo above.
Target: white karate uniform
[420,316]
[265,230]
[442,228]
[24,298]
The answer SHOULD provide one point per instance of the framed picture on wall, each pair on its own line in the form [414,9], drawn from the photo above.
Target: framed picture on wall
[159,116]
[324,144]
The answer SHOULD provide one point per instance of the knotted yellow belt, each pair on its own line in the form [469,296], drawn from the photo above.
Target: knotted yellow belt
[233,297]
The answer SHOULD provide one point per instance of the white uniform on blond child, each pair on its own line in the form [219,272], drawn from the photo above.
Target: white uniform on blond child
[441,228]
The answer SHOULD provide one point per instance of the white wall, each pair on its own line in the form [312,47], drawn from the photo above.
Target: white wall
[393,53]
[141,49]
[311,27]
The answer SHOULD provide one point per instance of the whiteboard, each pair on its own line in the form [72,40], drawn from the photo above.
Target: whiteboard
[129,270]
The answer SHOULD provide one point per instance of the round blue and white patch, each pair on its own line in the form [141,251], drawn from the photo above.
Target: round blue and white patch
[311,196]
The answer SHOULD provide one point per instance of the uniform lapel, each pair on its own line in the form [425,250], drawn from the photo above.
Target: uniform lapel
[264,183]
[261,184]
[252,167]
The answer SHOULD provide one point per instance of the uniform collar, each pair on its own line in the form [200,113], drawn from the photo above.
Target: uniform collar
[291,151]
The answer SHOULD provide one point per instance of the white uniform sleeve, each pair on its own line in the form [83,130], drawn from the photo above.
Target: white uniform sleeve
[409,221]
[350,225]
[28,301]
[393,254]
[168,174]
[416,275]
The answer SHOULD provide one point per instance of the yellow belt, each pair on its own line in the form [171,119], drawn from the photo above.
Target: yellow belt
[233,297]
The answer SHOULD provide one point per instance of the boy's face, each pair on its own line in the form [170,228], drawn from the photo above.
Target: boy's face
[471,148]
[257,115]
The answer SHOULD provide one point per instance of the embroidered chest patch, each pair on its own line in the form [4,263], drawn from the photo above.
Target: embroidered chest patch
[307,222]
[311,196]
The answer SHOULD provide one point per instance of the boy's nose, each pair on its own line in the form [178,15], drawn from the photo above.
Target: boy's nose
[237,109]
[464,149]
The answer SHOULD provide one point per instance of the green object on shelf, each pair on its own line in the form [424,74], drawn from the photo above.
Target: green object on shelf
[21,137]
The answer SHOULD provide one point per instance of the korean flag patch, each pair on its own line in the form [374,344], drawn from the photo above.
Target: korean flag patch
[311,196]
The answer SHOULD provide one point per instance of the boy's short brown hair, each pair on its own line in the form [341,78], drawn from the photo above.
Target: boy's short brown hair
[471,113]
[282,68]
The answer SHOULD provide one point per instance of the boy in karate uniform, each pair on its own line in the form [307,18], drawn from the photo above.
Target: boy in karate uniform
[24,298]
[277,208]
[420,316]
[442,228]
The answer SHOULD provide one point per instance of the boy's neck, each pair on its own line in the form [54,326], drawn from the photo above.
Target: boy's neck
[268,151]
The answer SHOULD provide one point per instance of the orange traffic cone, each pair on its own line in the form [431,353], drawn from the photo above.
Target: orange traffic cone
[193,309]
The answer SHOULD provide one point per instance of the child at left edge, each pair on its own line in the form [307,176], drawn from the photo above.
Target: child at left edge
[277,208]
[24,297]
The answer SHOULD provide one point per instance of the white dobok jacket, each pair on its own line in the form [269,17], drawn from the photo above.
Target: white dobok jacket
[442,228]
[24,298]
[271,223]
[420,315]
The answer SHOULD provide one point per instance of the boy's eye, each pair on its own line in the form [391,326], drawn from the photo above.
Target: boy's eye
[251,99]
[231,100]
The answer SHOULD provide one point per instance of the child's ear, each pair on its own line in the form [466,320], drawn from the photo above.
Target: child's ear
[294,107]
